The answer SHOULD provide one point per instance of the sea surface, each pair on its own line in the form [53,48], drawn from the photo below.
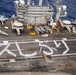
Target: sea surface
[7,7]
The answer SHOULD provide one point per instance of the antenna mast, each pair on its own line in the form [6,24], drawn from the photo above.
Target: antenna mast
[40,2]
[29,2]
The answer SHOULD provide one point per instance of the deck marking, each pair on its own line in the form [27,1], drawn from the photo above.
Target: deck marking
[25,55]
[7,50]
[65,39]
[67,48]
[40,49]
[49,48]
[7,44]
[51,51]
[1,44]
[4,43]
[54,48]
[28,67]
[57,44]
[12,60]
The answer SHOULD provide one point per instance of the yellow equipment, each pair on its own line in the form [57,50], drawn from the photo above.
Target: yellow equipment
[29,27]
[33,33]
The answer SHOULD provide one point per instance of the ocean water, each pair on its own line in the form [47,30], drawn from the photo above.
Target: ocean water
[7,7]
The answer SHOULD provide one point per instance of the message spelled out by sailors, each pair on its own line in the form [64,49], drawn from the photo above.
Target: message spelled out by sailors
[41,44]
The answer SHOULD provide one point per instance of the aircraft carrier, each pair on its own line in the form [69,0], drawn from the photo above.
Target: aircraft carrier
[37,42]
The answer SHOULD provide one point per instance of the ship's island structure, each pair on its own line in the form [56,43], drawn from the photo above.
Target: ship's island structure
[39,17]
[44,39]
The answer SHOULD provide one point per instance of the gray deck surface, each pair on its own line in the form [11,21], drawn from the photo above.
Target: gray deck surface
[36,73]
[64,64]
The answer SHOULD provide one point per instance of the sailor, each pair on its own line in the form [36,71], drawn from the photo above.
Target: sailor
[54,26]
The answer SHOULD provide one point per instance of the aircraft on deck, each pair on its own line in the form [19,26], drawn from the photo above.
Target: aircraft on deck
[2,19]
[3,33]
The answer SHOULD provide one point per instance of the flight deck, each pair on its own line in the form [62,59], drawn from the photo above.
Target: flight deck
[35,42]
[56,51]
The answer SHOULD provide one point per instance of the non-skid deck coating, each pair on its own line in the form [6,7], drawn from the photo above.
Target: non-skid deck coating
[40,67]
[39,64]
[36,73]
